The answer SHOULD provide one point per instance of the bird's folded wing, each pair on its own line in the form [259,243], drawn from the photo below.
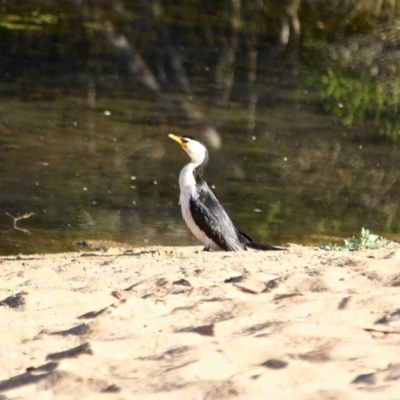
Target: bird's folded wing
[211,218]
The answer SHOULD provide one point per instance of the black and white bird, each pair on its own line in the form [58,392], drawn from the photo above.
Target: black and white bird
[202,212]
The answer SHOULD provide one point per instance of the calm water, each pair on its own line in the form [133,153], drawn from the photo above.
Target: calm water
[84,124]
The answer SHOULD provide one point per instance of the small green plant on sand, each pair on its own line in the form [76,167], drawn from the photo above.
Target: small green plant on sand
[367,241]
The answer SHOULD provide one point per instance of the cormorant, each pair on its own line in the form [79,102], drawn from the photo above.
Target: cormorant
[202,212]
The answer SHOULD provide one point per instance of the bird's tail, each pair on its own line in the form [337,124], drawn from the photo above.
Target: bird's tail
[248,242]
[259,246]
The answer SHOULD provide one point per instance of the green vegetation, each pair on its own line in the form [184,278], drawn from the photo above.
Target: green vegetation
[33,21]
[367,241]
[354,98]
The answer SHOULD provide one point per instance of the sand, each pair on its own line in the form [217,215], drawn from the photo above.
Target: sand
[178,323]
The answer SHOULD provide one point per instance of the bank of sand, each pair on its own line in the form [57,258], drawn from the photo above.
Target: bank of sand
[177,323]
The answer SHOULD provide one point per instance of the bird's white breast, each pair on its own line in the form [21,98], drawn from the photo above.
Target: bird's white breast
[187,184]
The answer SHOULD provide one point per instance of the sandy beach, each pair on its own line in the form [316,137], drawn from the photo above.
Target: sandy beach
[178,323]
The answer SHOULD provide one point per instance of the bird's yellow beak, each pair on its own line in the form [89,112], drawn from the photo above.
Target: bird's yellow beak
[177,139]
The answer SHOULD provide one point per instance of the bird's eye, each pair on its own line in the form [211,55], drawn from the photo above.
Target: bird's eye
[187,139]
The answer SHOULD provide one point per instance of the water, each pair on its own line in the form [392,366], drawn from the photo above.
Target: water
[84,146]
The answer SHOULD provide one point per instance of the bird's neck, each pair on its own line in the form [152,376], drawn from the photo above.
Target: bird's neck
[190,175]
[198,170]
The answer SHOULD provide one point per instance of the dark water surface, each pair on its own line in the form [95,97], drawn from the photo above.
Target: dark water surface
[84,120]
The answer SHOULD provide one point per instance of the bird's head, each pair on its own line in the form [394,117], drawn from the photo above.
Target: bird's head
[196,150]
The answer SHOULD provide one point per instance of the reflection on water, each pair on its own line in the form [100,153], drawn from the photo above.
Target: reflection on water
[83,135]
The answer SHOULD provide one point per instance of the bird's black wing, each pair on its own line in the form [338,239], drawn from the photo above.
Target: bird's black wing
[212,219]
